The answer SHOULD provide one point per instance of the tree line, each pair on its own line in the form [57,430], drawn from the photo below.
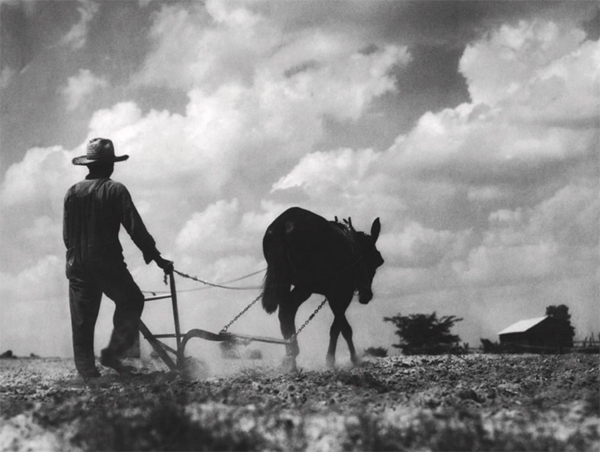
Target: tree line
[432,335]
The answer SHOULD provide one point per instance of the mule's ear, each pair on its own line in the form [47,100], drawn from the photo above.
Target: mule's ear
[375,229]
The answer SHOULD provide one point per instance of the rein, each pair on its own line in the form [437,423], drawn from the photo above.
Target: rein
[221,286]
[252,303]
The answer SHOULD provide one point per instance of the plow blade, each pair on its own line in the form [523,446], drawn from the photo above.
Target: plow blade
[202,334]
[232,337]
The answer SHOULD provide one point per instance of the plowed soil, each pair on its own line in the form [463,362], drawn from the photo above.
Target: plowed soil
[474,402]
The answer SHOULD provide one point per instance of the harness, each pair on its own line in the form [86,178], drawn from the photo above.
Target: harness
[358,263]
[350,235]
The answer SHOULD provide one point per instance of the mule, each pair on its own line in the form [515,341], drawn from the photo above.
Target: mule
[307,254]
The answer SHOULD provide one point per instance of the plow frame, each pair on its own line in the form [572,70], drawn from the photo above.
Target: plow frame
[174,358]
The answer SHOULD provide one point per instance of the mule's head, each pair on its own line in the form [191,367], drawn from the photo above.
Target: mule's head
[371,260]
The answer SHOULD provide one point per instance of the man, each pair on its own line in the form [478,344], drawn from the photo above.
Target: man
[94,210]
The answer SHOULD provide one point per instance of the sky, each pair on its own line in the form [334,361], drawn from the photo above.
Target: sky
[470,128]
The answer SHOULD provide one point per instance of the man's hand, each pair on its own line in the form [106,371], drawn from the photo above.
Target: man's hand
[165,264]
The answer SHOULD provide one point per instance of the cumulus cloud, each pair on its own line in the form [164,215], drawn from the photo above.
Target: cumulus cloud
[230,43]
[33,180]
[420,247]
[39,292]
[511,139]
[538,72]
[220,46]
[77,35]
[209,231]
[557,238]
[570,217]
[80,86]
[238,118]
[320,173]
[498,67]
[477,202]
[533,116]
[500,265]
[31,196]
[232,138]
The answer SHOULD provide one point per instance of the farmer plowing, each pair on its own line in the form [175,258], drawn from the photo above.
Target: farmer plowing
[94,210]
[305,254]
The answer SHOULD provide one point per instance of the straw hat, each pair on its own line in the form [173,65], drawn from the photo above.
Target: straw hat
[99,150]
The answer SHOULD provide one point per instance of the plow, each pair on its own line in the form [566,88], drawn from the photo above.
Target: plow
[174,357]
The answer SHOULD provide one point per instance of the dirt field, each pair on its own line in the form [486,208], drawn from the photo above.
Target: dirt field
[474,402]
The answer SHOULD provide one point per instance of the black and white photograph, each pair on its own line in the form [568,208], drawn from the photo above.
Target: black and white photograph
[299,225]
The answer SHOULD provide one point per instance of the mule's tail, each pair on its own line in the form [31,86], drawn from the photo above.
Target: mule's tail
[277,282]
[275,289]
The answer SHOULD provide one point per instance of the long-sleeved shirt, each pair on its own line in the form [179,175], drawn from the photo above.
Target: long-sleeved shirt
[94,210]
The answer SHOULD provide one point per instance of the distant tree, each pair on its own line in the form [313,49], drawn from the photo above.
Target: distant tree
[489,346]
[566,331]
[424,333]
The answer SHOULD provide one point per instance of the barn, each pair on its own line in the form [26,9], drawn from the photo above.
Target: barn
[533,334]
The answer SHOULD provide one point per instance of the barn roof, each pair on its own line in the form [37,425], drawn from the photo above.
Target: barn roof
[522,325]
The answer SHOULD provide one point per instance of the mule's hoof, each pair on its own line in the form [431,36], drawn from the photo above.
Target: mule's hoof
[288,364]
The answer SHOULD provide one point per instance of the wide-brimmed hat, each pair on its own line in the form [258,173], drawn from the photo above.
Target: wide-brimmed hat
[99,150]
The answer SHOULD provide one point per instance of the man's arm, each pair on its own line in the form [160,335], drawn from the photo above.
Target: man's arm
[132,221]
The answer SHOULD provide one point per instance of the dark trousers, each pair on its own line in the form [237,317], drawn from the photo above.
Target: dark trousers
[86,287]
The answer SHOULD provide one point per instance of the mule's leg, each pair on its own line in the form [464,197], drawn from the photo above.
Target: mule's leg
[339,305]
[334,333]
[340,324]
[287,318]
[347,333]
